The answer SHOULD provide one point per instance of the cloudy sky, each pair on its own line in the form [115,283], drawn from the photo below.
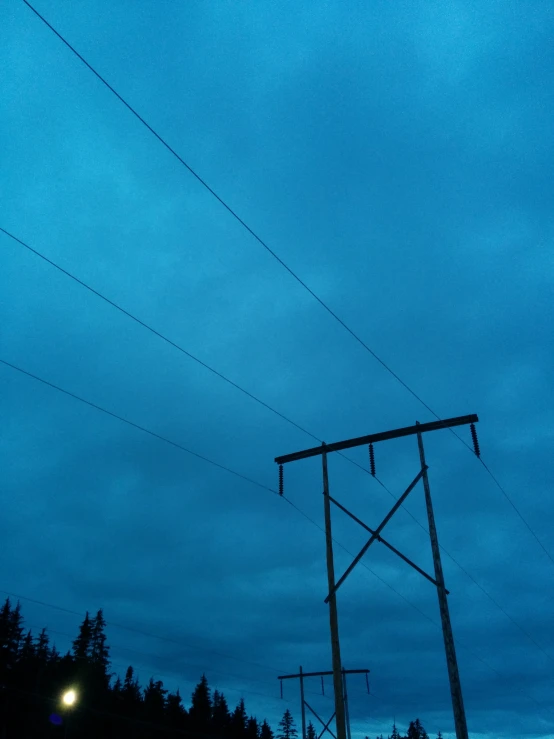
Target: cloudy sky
[398,157]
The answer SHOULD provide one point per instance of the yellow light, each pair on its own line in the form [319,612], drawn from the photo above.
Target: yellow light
[69,697]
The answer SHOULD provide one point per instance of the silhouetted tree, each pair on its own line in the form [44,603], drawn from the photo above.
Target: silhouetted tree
[238,721]
[154,701]
[99,652]
[395,733]
[82,644]
[311,732]
[265,731]
[287,728]
[201,707]
[252,728]
[175,712]
[221,718]
[416,730]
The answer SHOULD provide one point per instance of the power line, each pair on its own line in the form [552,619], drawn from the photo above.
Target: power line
[154,331]
[157,333]
[169,341]
[137,426]
[140,632]
[264,244]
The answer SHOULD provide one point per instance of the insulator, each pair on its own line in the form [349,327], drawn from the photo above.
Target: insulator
[280,479]
[322,686]
[475,440]
[372,460]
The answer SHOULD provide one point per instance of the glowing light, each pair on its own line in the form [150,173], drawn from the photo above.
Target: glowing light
[69,698]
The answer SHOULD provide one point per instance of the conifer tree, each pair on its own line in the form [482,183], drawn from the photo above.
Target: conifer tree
[201,707]
[99,652]
[175,712]
[311,732]
[416,730]
[265,731]
[395,733]
[252,728]
[238,721]
[131,694]
[287,728]
[221,717]
[154,700]
[42,646]
[82,644]
[27,650]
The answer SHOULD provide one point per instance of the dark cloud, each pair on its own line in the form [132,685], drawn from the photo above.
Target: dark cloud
[398,158]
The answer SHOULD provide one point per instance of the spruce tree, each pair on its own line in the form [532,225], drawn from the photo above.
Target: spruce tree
[265,731]
[238,721]
[42,646]
[287,728]
[395,733]
[311,732]
[252,728]
[131,694]
[154,701]
[221,717]
[416,730]
[27,650]
[99,652]
[175,712]
[201,707]
[82,644]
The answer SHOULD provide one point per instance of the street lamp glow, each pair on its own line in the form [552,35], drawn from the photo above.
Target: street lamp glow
[69,698]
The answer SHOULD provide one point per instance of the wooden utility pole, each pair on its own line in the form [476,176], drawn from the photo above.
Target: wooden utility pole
[449,647]
[301,675]
[303,704]
[333,616]
[376,535]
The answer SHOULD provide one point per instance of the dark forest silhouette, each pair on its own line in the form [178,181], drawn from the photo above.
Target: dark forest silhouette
[34,676]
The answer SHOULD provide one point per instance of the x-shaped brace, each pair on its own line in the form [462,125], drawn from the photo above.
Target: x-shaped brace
[325,726]
[375,535]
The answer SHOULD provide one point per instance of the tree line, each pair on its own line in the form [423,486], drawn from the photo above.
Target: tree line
[35,678]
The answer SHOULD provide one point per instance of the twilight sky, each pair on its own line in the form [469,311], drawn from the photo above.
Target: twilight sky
[398,157]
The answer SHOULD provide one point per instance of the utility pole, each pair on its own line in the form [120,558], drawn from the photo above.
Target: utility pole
[303,704]
[437,581]
[449,647]
[340,718]
[301,675]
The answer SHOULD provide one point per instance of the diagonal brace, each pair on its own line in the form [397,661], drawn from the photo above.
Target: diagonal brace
[386,543]
[325,726]
[378,530]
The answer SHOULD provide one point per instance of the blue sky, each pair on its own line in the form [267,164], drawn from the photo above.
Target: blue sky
[398,157]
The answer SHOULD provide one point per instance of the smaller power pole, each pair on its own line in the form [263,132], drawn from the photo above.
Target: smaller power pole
[304,703]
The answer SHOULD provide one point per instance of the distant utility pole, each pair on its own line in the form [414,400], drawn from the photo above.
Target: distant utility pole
[304,703]
[450,651]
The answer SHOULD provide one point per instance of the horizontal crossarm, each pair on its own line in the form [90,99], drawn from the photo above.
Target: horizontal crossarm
[378,530]
[374,438]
